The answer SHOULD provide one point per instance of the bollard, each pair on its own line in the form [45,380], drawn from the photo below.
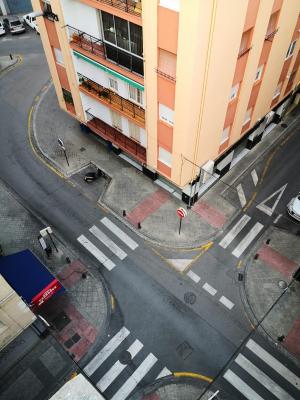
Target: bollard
[124,213]
[10,56]
[256,256]
[68,260]
[240,277]
[139,225]
[268,241]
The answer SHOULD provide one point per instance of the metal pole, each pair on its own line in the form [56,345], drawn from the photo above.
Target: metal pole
[180,220]
[66,156]
[52,240]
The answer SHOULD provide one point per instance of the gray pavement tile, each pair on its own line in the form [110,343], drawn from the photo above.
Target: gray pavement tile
[26,386]
[53,361]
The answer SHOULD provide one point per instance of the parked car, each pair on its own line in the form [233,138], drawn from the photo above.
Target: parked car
[16,26]
[2,29]
[30,20]
[294,207]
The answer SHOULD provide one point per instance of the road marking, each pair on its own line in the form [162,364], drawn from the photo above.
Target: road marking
[193,276]
[118,367]
[234,231]
[241,386]
[193,375]
[209,289]
[269,210]
[262,378]
[96,252]
[274,363]
[277,218]
[108,242]
[119,233]
[179,263]
[164,372]
[241,195]
[241,247]
[135,378]
[106,351]
[254,177]
[226,302]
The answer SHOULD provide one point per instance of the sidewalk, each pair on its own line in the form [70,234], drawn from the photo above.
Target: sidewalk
[6,62]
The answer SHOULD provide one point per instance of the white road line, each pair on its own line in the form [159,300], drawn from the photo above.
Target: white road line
[193,276]
[209,289]
[96,252]
[118,367]
[262,378]
[235,231]
[241,247]
[274,363]
[119,233]
[241,195]
[254,177]
[106,351]
[135,378]
[108,242]
[241,386]
[164,372]
[277,218]
[267,209]
[226,302]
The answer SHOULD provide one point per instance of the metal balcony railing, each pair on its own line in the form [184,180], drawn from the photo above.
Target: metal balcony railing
[244,51]
[112,98]
[270,36]
[104,50]
[129,6]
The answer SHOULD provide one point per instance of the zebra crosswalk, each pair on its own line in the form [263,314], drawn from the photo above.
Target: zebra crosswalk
[118,379]
[256,374]
[237,231]
[101,239]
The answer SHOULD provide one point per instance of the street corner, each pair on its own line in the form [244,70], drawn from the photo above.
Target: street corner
[8,62]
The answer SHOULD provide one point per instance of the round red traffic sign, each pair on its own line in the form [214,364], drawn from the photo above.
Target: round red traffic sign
[181,212]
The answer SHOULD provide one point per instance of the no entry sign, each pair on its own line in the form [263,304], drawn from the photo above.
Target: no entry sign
[181,212]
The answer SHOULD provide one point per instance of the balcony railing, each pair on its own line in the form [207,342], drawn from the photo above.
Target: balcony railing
[270,36]
[112,98]
[244,51]
[129,6]
[104,50]
[117,138]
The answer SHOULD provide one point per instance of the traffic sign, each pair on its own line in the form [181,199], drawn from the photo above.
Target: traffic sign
[181,212]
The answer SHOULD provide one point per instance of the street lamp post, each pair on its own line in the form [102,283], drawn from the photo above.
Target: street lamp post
[61,143]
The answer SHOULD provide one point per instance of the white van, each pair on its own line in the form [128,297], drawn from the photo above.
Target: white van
[294,207]
[30,20]
[2,29]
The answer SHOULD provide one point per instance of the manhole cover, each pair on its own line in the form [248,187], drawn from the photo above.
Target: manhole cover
[190,297]
[82,149]
[184,350]
[60,321]
[282,284]
[284,125]
[125,357]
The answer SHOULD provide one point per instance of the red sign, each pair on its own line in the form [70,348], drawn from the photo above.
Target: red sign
[46,293]
[181,212]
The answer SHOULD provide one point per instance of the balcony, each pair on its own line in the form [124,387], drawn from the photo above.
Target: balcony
[81,40]
[117,138]
[118,103]
[133,7]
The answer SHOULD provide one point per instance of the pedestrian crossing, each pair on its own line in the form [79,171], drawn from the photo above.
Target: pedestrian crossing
[99,238]
[237,232]
[258,375]
[118,379]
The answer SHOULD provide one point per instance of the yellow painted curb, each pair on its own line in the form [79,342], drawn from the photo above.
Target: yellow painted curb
[192,375]
[112,302]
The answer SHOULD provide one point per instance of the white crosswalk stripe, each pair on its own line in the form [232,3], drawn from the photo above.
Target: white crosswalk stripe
[108,242]
[245,242]
[241,195]
[245,383]
[96,252]
[119,233]
[242,222]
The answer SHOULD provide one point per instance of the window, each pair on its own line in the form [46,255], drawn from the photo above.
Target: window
[247,116]
[135,95]
[116,120]
[245,42]
[165,156]
[167,62]
[234,91]
[134,131]
[172,4]
[278,90]
[225,135]
[166,114]
[259,72]
[67,96]
[291,49]
[113,84]
[58,56]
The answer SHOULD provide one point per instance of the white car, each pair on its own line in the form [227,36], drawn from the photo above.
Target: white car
[2,29]
[294,207]
[30,20]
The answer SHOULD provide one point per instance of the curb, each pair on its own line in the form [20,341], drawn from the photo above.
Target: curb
[17,60]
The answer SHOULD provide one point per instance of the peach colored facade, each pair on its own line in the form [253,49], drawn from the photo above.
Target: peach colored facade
[206,79]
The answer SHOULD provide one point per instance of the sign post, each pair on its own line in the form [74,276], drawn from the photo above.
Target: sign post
[47,231]
[61,143]
[181,212]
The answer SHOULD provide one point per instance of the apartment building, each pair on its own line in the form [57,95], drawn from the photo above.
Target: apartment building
[181,88]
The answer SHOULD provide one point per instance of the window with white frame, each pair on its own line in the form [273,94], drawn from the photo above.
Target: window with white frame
[136,95]
[247,116]
[166,114]
[259,72]
[134,131]
[116,120]
[58,56]
[172,4]
[165,156]
[113,84]
[291,49]
[234,91]
[278,90]
[225,135]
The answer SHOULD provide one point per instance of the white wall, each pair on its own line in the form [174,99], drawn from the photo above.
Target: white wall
[82,17]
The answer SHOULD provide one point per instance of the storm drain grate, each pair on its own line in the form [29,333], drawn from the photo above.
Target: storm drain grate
[284,125]
[70,342]
[190,297]
[60,321]
[184,350]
